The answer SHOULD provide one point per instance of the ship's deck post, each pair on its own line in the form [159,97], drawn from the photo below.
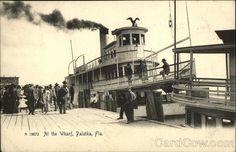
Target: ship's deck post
[154,105]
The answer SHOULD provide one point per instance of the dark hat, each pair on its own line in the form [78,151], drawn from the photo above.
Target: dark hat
[163,60]
[56,84]
[64,82]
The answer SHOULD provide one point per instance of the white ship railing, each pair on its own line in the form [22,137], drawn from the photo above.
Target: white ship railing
[151,75]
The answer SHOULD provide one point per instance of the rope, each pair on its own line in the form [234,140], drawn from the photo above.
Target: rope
[170,21]
[189,33]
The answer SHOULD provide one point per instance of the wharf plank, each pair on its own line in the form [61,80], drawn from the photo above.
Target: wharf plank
[25,124]
[67,121]
[6,121]
[11,124]
[3,119]
[56,120]
[18,122]
[32,123]
[52,125]
[9,120]
[43,123]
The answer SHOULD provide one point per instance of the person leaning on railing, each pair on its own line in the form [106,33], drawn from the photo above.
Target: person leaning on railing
[166,68]
[128,73]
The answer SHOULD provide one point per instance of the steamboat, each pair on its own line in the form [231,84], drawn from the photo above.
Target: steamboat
[106,75]
[205,102]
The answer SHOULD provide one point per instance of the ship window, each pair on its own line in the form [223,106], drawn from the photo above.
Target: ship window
[135,39]
[188,117]
[120,72]
[136,70]
[115,74]
[210,121]
[227,123]
[197,120]
[142,39]
[112,55]
[126,39]
[106,76]
[120,41]
[107,55]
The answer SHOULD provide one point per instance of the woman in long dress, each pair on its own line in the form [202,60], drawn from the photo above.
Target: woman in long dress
[46,100]
[22,101]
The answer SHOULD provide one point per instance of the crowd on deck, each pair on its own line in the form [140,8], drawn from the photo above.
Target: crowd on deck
[14,98]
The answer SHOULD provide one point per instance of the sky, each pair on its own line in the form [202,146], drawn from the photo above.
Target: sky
[39,52]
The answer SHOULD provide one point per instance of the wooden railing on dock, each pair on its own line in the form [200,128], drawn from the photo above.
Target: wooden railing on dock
[204,91]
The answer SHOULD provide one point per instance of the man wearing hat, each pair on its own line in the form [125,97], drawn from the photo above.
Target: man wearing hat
[128,73]
[128,106]
[62,97]
[166,68]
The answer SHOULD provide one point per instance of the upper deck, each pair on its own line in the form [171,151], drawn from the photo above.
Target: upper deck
[129,47]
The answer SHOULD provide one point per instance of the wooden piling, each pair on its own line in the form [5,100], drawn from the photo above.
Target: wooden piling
[154,106]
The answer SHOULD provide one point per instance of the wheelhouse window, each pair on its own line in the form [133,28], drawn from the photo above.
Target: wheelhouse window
[142,39]
[126,39]
[135,39]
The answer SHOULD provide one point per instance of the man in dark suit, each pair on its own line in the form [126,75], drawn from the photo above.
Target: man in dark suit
[62,97]
[129,72]
[72,92]
[121,102]
[29,93]
[129,109]
[166,69]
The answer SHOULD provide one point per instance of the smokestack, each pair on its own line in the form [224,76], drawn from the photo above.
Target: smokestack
[103,31]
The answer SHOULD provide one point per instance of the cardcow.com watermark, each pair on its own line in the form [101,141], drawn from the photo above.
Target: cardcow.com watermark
[187,143]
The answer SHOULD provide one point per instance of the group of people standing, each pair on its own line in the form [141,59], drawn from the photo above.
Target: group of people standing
[9,96]
[49,96]
[36,96]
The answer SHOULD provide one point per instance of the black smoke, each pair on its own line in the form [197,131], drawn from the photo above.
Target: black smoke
[18,9]
[82,24]
[55,19]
